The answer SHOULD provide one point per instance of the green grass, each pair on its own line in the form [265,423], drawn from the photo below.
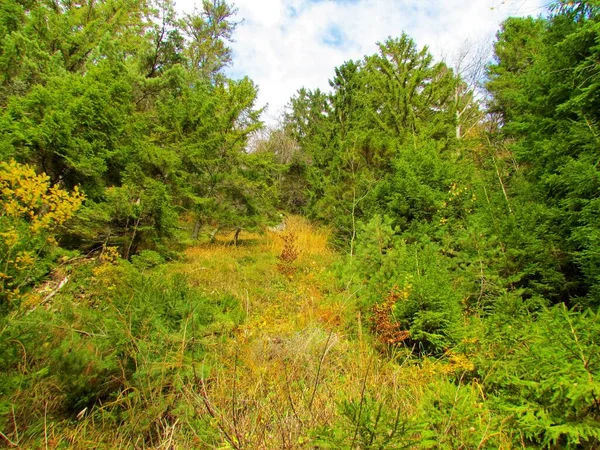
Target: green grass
[224,349]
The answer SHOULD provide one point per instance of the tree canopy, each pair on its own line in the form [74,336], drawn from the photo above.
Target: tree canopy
[129,101]
[462,203]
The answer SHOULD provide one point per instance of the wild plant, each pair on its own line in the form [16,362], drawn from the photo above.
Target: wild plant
[289,254]
[32,212]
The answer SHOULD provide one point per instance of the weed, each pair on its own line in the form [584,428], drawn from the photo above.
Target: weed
[388,330]
[289,254]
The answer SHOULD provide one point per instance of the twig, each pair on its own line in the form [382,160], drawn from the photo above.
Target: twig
[84,333]
[183,342]
[10,443]
[581,354]
[135,228]
[46,425]
[234,397]
[24,356]
[55,291]
[289,395]
[15,423]
[487,438]
[211,411]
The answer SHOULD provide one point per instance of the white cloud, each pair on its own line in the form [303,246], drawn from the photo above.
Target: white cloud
[284,45]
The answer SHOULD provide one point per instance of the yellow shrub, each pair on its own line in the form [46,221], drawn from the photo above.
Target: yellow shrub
[32,210]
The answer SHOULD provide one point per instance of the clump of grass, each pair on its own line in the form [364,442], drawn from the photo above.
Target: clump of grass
[309,239]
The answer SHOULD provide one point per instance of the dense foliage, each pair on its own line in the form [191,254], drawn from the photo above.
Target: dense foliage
[465,219]
[128,102]
[451,223]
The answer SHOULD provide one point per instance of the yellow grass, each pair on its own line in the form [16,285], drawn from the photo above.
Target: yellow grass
[297,354]
[309,239]
[301,351]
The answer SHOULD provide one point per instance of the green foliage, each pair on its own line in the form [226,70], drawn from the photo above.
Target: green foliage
[473,241]
[449,416]
[386,125]
[493,226]
[430,309]
[70,126]
[367,424]
[545,85]
[116,346]
[457,416]
[146,259]
[548,383]
[130,102]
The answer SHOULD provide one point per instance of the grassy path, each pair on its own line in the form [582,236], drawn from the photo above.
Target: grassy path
[256,354]
[278,383]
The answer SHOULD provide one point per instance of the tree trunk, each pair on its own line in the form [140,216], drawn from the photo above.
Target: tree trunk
[196,230]
[236,236]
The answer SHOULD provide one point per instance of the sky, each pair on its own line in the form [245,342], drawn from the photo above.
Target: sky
[283,45]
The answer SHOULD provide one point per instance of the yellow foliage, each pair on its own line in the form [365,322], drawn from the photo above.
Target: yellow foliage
[24,260]
[110,255]
[27,195]
[459,362]
[32,210]
[10,237]
[456,363]
[31,300]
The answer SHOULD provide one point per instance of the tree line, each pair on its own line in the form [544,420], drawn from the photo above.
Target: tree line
[128,101]
[469,221]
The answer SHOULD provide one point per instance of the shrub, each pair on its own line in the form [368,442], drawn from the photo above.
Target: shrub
[456,415]
[147,259]
[367,423]
[33,210]
[548,380]
[117,347]
[430,304]
[289,254]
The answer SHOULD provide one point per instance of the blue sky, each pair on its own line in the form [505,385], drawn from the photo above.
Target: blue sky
[287,44]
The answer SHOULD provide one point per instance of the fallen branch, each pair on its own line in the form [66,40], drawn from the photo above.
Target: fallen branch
[55,291]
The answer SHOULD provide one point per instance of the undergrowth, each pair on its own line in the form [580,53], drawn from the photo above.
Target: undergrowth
[117,350]
[222,350]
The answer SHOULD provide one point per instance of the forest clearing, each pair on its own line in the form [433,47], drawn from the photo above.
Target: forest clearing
[282,362]
[407,260]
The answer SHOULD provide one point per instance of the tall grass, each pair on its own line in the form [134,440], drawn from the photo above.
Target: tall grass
[310,240]
[222,350]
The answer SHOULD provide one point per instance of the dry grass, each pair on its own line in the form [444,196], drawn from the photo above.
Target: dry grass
[282,388]
[310,240]
[278,377]
[289,365]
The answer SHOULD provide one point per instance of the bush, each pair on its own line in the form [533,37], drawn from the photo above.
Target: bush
[548,380]
[147,259]
[456,415]
[33,210]
[430,307]
[117,346]
[367,424]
